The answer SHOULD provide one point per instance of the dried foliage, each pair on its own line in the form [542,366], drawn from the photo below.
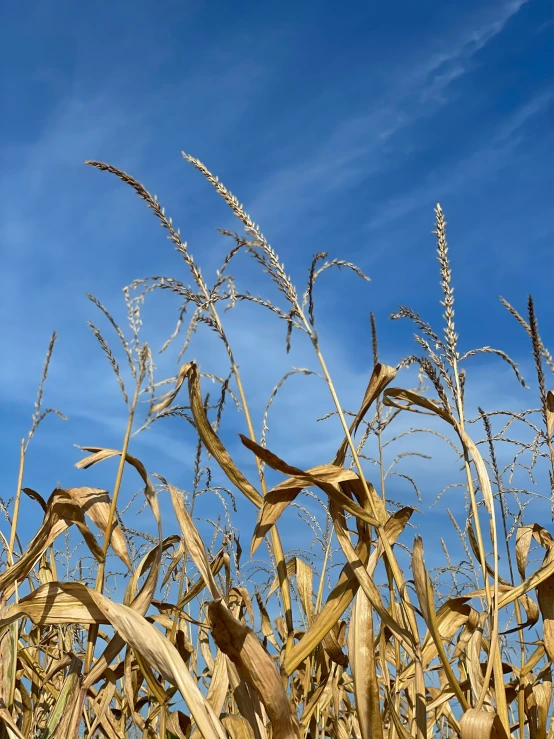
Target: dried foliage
[204,644]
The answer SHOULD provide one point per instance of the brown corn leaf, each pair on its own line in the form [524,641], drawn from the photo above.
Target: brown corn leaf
[255,666]
[331,645]
[99,454]
[481,725]
[381,376]
[291,570]
[401,730]
[204,641]
[366,581]
[220,560]
[550,413]
[36,497]
[313,702]
[450,617]
[337,602]
[212,442]
[59,603]
[178,724]
[545,597]
[219,683]
[304,583]
[64,703]
[193,541]
[475,549]
[106,698]
[248,702]
[241,597]
[267,629]
[326,477]
[142,601]
[96,505]
[342,594]
[361,651]
[237,727]
[167,399]
[177,557]
[394,395]
[543,695]
[8,662]
[61,512]
[427,606]
[411,398]
[10,724]
[523,541]
[509,595]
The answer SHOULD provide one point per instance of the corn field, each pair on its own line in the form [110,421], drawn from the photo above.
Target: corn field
[371,640]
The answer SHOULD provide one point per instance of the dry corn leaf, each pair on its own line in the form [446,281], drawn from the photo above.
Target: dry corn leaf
[255,666]
[543,695]
[401,730]
[427,606]
[337,602]
[304,583]
[248,703]
[523,541]
[141,602]
[37,497]
[313,702]
[331,645]
[99,454]
[361,651]
[220,560]
[545,597]
[411,398]
[366,582]
[59,603]
[480,725]
[165,400]
[219,686]
[8,662]
[178,724]
[326,477]
[393,395]
[291,570]
[450,617]
[212,442]
[475,549]
[106,696]
[65,698]
[193,541]
[550,413]
[96,505]
[61,512]
[342,594]
[10,724]
[177,557]
[237,727]
[381,376]
[267,629]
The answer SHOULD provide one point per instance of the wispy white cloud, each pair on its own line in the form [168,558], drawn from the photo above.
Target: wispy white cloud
[439,184]
[355,148]
[54,230]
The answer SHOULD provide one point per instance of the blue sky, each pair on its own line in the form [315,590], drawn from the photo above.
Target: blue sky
[339,129]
